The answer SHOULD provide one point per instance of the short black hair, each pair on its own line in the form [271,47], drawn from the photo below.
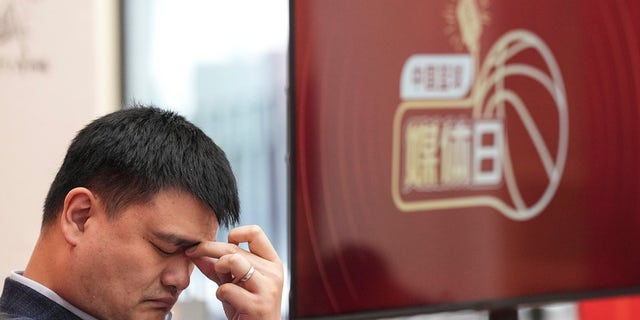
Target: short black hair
[128,156]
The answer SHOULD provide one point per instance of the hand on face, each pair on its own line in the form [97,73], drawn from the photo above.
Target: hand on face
[259,296]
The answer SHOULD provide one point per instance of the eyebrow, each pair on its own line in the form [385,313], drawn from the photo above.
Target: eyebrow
[176,240]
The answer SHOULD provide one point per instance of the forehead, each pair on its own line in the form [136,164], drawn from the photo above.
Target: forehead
[178,213]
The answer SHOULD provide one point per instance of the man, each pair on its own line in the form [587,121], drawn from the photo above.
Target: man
[135,205]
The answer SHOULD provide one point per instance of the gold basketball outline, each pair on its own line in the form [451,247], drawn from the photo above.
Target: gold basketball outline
[494,71]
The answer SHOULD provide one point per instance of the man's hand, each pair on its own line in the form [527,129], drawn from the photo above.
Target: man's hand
[259,296]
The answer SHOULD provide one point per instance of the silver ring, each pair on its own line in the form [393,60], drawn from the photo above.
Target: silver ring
[248,275]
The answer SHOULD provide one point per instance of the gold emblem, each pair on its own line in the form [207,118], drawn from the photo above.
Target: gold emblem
[453,104]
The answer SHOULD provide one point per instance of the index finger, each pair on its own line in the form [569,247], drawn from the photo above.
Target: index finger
[212,249]
[257,240]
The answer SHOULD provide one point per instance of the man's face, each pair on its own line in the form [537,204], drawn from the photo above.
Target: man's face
[134,266]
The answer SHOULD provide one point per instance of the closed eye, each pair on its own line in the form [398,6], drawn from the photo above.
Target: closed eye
[169,240]
[161,251]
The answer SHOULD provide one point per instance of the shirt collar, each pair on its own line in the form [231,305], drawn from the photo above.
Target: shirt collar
[18,277]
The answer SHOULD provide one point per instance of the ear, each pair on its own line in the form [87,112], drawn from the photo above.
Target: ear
[80,205]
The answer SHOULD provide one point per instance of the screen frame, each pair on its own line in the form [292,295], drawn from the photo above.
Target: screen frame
[489,305]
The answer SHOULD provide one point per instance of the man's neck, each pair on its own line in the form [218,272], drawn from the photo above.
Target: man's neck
[46,261]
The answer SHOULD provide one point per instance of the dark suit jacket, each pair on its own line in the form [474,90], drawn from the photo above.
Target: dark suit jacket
[21,302]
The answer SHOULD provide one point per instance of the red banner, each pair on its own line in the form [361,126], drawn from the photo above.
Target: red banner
[462,152]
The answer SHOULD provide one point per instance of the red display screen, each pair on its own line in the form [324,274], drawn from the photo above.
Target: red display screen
[463,153]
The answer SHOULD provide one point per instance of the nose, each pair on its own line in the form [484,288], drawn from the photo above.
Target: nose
[177,273]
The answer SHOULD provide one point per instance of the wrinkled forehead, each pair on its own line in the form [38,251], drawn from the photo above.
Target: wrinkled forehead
[178,214]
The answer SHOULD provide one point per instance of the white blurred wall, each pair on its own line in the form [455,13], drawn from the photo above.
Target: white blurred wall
[59,69]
